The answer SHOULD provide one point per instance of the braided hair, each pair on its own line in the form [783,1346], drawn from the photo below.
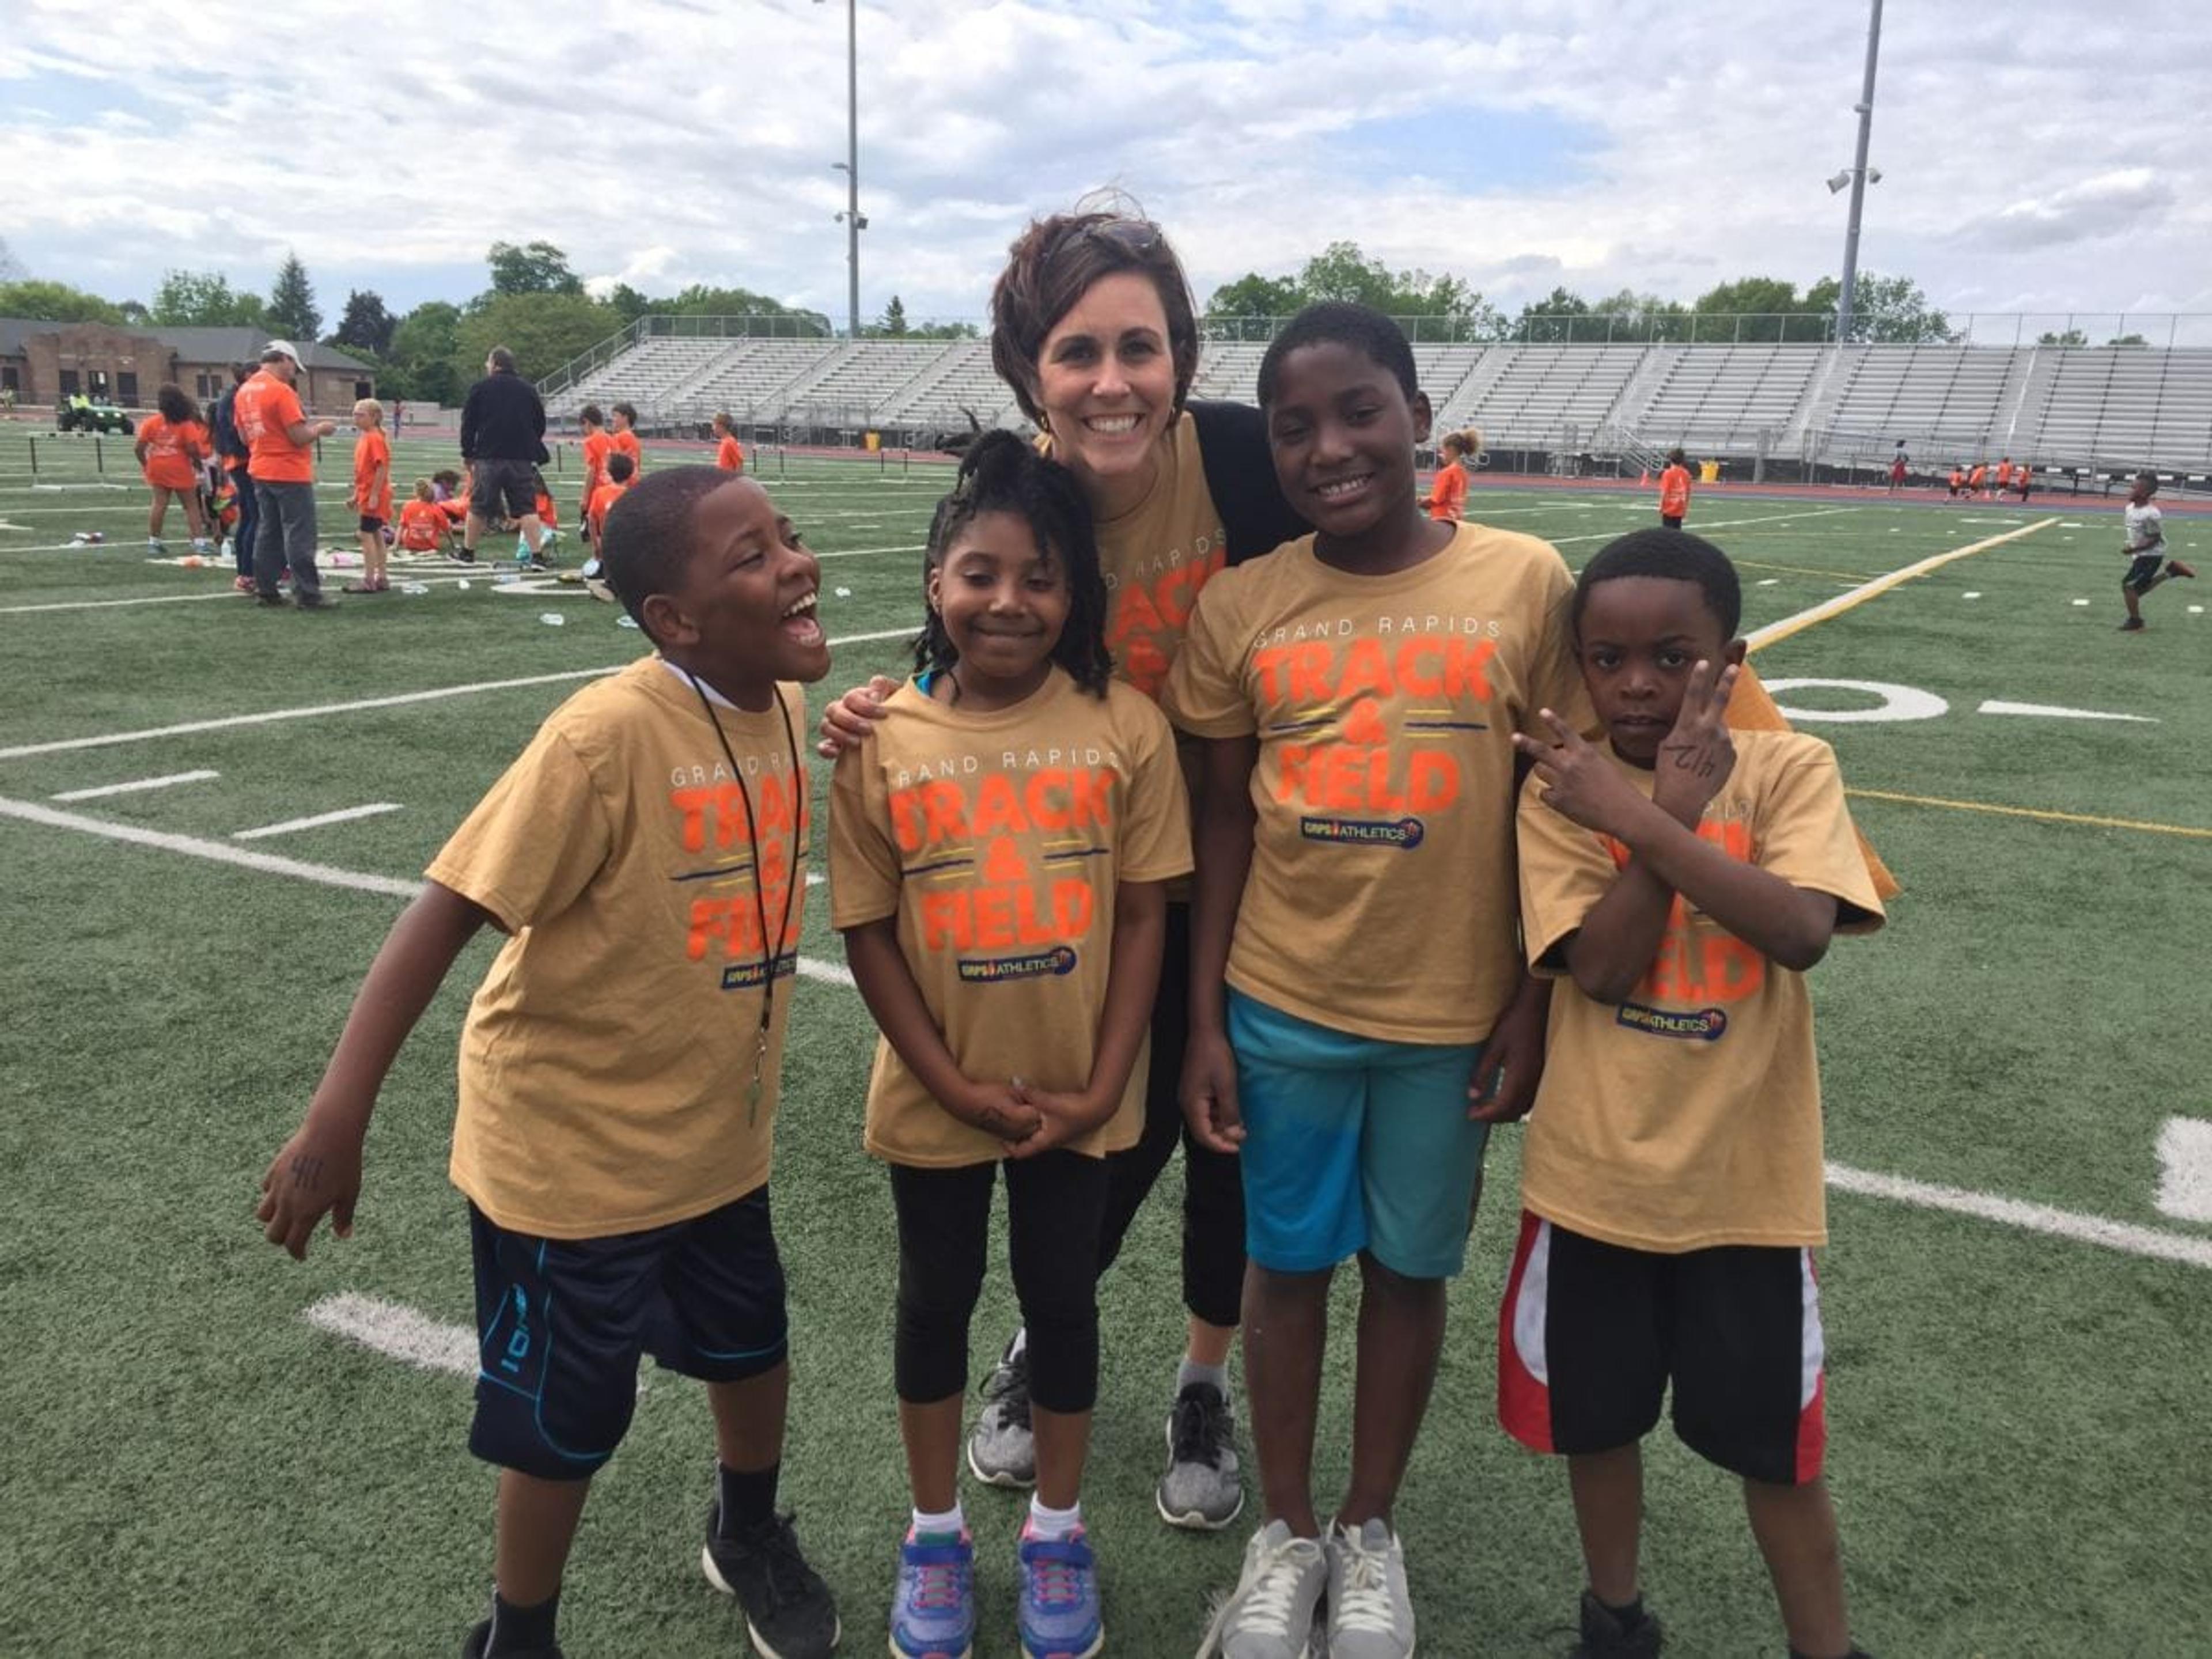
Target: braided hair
[1001,473]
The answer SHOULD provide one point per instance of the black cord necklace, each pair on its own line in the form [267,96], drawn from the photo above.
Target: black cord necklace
[771,949]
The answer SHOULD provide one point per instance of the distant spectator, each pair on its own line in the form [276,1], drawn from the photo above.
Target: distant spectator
[1897,467]
[729,455]
[230,449]
[171,446]
[1674,490]
[624,436]
[280,440]
[503,439]
[596,447]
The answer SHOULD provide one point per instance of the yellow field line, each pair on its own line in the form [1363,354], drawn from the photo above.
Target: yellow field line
[2044,814]
[1775,633]
[1801,570]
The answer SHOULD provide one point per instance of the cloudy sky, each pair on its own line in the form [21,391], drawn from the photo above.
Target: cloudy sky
[2039,156]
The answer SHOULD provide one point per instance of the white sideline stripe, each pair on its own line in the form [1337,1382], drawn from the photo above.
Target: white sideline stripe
[133,788]
[435,694]
[324,875]
[2101,1231]
[345,815]
[857,552]
[230,593]
[2052,711]
[1776,631]
[388,1327]
[2184,1169]
[1719,524]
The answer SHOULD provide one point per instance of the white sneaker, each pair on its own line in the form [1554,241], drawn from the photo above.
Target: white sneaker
[1270,1613]
[1370,1616]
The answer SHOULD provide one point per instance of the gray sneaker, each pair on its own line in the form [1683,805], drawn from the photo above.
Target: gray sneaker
[1369,1614]
[1270,1613]
[1001,1451]
[1202,1488]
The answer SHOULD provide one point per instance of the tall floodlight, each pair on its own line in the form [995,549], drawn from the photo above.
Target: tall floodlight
[1865,108]
[850,167]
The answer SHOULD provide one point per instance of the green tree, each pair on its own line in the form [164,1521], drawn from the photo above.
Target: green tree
[2072,336]
[1248,308]
[1555,319]
[1756,308]
[532,268]
[543,331]
[893,326]
[1889,309]
[292,310]
[2127,340]
[424,345]
[1431,308]
[366,325]
[204,299]
[629,302]
[764,315]
[56,303]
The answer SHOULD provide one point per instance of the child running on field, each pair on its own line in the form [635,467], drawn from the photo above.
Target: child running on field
[171,445]
[617,1187]
[1679,879]
[1356,987]
[1674,490]
[1448,491]
[999,848]
[2145,549]
[729,454]
[371,496]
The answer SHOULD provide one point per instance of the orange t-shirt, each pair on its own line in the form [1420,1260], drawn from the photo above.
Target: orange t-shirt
[1674,492]
[596,447]
[454,507]
[1974,479]
[602,498]
[2004,474]
[544,506]
[372,473]
[729,457]
[266,410]
[172,452]
[627,443]
[1448,494]
[421,525]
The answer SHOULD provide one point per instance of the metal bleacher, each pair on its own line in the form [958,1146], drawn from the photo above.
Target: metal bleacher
[2066,407]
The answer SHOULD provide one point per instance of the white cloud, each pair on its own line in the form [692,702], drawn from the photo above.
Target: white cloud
[2026,163]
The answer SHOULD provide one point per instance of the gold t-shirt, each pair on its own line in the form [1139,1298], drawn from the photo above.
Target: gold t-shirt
[1689,1115]
[1155,557]
[999,840]
[607,1060]
[1381,899]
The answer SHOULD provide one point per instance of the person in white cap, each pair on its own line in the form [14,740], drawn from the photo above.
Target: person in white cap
[280,442]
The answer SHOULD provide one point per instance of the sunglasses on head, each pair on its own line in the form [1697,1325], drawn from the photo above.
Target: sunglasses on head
[1135,237]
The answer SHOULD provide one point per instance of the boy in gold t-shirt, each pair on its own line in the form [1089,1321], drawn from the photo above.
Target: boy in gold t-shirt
[1680,878]
[619,1068]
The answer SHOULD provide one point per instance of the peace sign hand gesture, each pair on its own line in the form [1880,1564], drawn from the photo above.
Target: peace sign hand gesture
[1696,758]
[1582,784]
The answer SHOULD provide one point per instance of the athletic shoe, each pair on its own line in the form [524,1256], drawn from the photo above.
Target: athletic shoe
[934,1609]
[1604,1637]
[154,544]
[2132,625]
[1059,1596]
[479,1641]
[1001,1451]
[274,601]
[534,562]
[1370,1614]
[462,556]
[591,569]
[1270,1613]
[243,584]
[1202,1488]
[789,1612]
[2186,572]
[200,544]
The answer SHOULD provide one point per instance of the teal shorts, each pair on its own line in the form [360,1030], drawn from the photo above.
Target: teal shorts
[1353,1144]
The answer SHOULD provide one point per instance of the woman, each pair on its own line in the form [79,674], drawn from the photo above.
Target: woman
[171,446]
[1093,330]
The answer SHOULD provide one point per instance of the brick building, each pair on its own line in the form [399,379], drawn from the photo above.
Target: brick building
[43,363]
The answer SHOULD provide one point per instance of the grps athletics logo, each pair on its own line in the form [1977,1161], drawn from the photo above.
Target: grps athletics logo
[1405,833]
[990,970]
[746,976]
[1696,1024]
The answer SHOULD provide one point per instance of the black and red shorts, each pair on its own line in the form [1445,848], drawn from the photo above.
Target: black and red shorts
[1592,1334]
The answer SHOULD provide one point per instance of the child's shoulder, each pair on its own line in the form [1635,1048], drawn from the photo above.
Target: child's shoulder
[1131,712]
[1766,760]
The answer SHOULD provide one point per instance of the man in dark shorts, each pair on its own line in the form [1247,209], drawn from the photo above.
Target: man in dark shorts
[503,441]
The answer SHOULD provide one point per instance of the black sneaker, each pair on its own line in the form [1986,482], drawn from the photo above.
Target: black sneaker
[462,556]
[274,601]
[789,1612]
[1603,1637]
[478,1642]
[314,602]
[2132,625]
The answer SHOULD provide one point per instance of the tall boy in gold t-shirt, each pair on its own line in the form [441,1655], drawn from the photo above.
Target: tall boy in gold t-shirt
[619,1068]
[1681,878]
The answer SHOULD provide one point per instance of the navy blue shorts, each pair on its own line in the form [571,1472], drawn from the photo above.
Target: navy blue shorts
[560,1324]
[2142,572]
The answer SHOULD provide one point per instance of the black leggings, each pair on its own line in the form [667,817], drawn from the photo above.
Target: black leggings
[1213,1183]
[1053,1203]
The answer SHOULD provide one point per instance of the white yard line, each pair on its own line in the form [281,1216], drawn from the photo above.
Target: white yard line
[2082,1229]
[1775,632]
[344,815]
[2184,1169]
[133,788]
[323,875]
[1717,524]
[858,552]
[396,1331]
[230,593]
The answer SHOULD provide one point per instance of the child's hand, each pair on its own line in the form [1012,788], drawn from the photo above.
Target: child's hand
[1061,1118]
[317,1173]
[353,501]
[845,722]
[1503,1086]
[1696,758]
[1582,784]
[1209,1092]
[999,1110]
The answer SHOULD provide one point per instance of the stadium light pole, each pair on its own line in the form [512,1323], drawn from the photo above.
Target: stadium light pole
[1848,294]
[850,167]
